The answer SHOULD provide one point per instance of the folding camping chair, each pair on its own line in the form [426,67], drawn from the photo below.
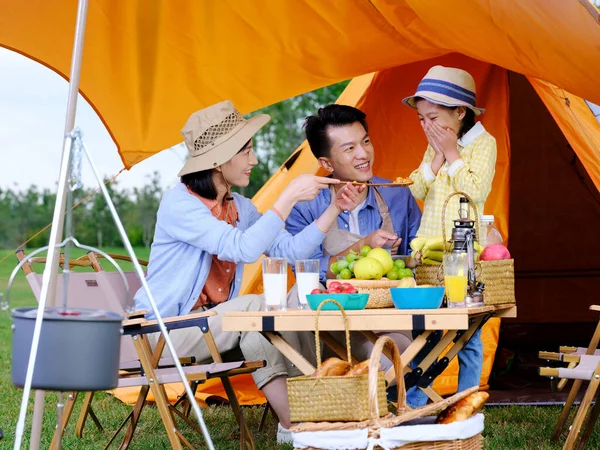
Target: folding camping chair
[583,364]
[140,365]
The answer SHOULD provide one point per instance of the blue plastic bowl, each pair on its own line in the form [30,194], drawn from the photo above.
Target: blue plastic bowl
[420,297]
[348,301]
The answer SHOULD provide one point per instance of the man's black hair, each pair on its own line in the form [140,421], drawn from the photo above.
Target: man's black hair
[330,116]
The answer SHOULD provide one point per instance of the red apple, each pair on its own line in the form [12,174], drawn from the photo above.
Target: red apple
[315,291]
[335,285]
[347,288]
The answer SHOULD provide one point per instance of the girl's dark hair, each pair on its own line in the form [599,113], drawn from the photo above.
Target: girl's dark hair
[468,121]
[201,183]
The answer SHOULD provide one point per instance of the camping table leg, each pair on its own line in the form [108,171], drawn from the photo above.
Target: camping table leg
[337,347]
[407,356]
[289,352]
[437,367]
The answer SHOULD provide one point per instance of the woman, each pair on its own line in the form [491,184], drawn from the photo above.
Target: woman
[205,234]
[461,156]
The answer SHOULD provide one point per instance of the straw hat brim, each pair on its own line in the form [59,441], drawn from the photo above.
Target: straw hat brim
[410,102]
[227,147]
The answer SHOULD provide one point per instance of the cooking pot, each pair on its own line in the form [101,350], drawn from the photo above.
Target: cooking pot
[78,349]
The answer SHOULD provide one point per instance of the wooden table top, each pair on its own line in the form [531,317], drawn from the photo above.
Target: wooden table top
[380,319]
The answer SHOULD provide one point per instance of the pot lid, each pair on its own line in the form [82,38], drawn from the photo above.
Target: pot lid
[69,314]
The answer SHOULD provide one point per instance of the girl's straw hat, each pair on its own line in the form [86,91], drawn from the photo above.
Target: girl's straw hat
[446,86]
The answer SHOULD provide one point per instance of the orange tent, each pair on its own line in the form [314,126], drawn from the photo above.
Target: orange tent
[146,67]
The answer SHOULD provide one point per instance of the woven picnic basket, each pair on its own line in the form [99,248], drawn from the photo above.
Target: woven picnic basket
[403,413]
[340,398]
[378,290]
[498,276]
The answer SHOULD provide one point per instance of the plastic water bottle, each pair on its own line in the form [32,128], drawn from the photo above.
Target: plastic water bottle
[490,235]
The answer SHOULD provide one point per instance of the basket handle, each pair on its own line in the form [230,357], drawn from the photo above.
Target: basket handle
[471,204]
[382,342]
[318,339]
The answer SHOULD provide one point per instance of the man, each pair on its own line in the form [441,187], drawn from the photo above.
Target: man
[386,216]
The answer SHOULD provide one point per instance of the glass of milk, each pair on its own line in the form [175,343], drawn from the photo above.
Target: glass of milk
[307,279]
[275,283]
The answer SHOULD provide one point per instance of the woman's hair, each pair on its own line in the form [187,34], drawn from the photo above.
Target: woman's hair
[201,183]
[468,121]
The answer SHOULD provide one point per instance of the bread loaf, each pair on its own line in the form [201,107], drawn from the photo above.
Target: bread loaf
[463,409]
[361,368]
[332,367]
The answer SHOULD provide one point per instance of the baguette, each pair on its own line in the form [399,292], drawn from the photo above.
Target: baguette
[463,409]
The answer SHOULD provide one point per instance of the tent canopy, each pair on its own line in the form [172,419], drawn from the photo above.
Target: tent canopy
[147,66]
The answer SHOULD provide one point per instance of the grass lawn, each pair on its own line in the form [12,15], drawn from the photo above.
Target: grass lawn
[507,428]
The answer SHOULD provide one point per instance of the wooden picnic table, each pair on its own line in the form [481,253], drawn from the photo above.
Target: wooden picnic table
[459,323]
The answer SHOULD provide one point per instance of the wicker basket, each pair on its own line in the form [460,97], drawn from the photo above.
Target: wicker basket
[472,443]
[498,276]
[378,290]
[327,399]
[376,422]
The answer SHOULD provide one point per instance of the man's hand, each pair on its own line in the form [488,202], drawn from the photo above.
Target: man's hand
[382,239]
[348,197]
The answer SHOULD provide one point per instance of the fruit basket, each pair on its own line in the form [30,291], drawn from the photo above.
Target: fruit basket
[374,272]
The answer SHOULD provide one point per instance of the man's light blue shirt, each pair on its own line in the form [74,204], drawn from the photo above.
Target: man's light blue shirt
[404,212]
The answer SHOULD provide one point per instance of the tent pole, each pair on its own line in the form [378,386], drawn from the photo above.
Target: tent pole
[51,269]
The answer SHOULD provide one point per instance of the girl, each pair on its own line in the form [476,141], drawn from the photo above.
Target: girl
[461,156]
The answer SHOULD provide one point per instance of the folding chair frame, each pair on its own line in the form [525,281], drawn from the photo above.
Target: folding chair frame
[150,372]
[591,392]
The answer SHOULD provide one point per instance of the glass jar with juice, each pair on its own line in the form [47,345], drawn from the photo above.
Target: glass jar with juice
[456,270]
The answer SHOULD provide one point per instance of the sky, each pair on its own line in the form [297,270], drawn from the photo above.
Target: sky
[33,105]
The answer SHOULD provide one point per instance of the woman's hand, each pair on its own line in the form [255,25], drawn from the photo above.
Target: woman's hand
[348,197]
[301,189]
[306,187]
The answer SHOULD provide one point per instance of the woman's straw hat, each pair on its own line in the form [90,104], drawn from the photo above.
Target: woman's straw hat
[216,134]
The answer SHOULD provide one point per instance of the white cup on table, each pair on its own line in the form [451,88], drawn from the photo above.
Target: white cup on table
[275,283]
[307,279]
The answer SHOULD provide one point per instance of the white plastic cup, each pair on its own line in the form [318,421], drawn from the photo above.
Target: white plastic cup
[275,283]
[307,279]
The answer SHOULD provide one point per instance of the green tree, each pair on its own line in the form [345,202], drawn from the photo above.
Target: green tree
[284,133]
[147,200]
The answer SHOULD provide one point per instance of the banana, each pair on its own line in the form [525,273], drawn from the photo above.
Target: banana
[434,243]
[435,255]
[430,262]
[418,243]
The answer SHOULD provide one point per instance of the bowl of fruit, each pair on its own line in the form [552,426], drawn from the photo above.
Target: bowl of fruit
[417,297]
[344,293]
[371,264]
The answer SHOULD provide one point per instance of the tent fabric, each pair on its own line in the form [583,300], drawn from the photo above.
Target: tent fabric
[210,391]
[146,67]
